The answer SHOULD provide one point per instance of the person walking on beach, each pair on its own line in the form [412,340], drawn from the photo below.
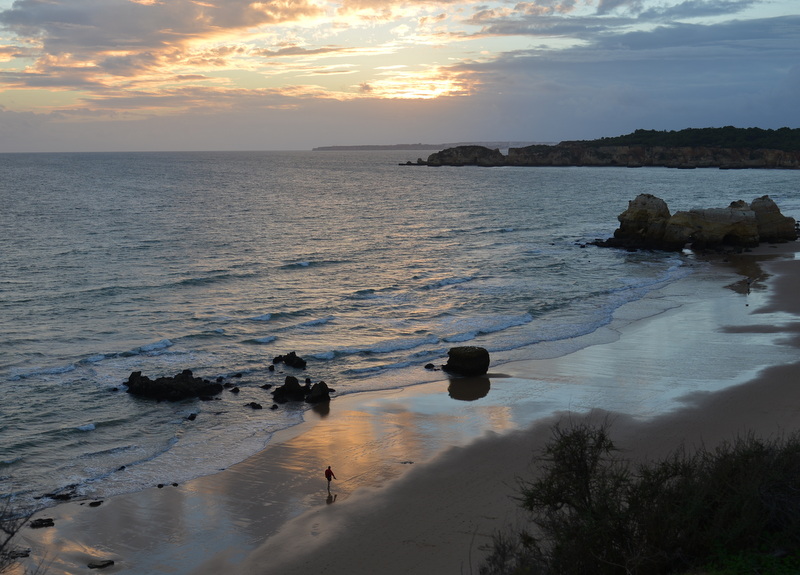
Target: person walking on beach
[329,475]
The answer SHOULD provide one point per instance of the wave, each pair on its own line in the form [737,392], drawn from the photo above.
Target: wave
[263,317]
[261,340]
[206,334]
[372,370]
[383,347]
[448,282]
[109,451]
[86,427]
[148,349]
[309,323]
[483,326]
[212,277]
[371,293]
[302,264]
[43,372]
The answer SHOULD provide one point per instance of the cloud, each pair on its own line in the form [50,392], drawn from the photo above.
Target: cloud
[606,6]
[697,9]
[527,70]
[123,36]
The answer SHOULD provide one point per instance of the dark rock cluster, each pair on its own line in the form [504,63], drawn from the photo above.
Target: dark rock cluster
[181,386]
[291,390]
[291,359]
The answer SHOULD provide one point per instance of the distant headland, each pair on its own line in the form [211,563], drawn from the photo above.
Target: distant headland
[724,148]
[420,146]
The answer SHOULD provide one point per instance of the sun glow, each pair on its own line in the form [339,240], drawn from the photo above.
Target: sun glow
[424,85]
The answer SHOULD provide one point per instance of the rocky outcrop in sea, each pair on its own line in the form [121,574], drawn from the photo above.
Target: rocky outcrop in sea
[648,224]
[181,386]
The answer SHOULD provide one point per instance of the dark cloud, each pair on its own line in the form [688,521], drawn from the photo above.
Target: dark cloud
[739,38]
[697,9]
[606,6]
[80,26]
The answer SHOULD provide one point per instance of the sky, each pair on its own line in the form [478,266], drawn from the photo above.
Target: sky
[140,75]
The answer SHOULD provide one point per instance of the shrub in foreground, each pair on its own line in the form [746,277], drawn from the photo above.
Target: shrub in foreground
[592,511]
[10,524]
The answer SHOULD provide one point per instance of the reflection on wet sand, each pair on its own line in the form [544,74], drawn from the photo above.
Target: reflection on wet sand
[469,388]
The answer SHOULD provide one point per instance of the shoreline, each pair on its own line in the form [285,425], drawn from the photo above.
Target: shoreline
[271,513]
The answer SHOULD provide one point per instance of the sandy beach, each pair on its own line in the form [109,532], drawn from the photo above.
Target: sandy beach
[426,475]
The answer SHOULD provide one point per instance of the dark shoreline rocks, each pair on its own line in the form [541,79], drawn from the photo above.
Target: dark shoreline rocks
[291,390]
[181,386]
[581,154]
[291,359]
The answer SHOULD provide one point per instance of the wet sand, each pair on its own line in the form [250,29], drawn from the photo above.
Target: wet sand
[424,479]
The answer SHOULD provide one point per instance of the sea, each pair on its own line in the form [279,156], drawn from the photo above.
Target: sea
[218,262]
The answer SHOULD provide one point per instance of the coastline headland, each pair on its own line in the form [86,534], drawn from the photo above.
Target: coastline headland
[580,154]
[725,148]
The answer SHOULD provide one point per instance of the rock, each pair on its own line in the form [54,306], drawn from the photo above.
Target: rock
[42,522]
[713,227]
[319,393]
[291,390]
[182,386]
[254,405]
[647,224]
[291,359]
[467,156]
[644,221]
[266,386]
[100,564]
[95,503]
[772,225]
[467,360]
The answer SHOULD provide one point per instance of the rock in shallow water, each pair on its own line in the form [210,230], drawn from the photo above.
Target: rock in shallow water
[467,360]
[182,386]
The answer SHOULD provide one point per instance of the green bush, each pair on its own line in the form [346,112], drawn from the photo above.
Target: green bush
[592,511]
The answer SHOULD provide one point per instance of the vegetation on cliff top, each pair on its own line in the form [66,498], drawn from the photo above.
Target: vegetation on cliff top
[787,139]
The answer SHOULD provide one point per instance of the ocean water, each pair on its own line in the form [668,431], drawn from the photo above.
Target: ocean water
[218,262]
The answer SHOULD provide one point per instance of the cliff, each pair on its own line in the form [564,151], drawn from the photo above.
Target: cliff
[585,154]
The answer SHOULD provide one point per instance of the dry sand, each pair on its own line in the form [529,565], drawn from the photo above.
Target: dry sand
[425,480]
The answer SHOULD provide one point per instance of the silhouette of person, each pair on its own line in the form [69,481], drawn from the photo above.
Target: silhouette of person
[329,475]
